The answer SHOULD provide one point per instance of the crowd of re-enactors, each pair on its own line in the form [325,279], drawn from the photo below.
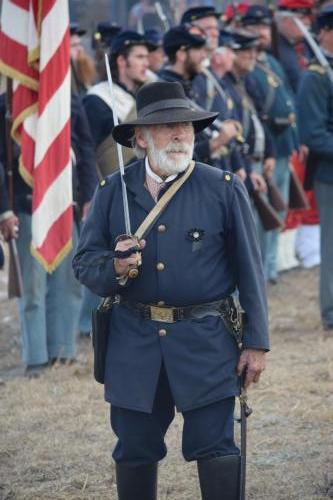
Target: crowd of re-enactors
[246,63]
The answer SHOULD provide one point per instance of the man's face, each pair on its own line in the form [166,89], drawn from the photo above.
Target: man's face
[223,59]
[325,37]
[290,28]
[156,59]
[245,60]
[210,26]
[264,33]
[169,146]
[137,64]
[76,47]
[194,60]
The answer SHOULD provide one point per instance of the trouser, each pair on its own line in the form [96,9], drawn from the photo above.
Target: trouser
[281,178]
[324,197]
[268,240]
[208,432]
[257,167]
[49,308]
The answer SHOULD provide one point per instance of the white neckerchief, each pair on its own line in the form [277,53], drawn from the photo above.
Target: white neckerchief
[156,177]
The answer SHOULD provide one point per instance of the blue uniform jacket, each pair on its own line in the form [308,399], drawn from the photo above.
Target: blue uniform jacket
[276,103]
[315,121]
[222,103]
[251,94]
[289,61]
[200,356]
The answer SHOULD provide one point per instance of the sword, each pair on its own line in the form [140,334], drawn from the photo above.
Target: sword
[133,273]
[313,45]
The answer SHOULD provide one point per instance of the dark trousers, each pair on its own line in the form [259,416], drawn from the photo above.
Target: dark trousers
[208,432]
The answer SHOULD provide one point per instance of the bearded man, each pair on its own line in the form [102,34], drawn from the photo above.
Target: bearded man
[186,51]
[169,342]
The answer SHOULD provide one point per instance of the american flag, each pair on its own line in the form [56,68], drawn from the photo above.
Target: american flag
[34,52]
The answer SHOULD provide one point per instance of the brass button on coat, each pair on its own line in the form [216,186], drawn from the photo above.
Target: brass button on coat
[161,228]
[160,266]
[162,332]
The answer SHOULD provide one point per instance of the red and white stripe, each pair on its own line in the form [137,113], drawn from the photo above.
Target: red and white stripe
[34,51]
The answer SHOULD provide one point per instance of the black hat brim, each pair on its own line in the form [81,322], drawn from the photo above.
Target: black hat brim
[124,132]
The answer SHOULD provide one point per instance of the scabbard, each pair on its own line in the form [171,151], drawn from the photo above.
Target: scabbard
[245,412]
[243,432]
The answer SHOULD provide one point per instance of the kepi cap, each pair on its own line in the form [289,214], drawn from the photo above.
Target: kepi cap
[195,13]
[127,39]
[256,14]
[179,37]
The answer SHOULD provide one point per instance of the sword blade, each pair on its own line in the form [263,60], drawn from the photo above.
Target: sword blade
[313,45]
[119,151]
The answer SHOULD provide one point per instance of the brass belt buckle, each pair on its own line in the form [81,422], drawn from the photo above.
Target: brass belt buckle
[163,314]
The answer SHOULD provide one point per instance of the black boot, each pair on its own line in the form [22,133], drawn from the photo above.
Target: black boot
[137,483]
[219,478]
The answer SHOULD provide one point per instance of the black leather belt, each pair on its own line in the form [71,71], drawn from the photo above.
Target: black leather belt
[168,314]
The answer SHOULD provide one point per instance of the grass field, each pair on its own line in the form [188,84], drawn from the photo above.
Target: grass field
[55,438]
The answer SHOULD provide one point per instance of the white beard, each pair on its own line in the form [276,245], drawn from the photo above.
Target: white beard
[161,158]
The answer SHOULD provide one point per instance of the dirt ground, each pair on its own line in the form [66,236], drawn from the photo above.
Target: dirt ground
[55,439]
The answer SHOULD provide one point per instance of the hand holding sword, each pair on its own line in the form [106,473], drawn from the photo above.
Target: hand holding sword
[127,251]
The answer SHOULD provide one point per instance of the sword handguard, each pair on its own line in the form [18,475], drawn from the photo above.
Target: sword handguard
[133,272]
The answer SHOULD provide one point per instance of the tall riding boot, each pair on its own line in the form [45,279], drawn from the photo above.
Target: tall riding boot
[137,483]
[219,478]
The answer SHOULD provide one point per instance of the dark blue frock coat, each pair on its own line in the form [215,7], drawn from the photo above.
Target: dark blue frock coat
[200,355]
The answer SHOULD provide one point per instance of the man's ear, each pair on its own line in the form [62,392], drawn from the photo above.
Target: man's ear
[121,61]
[181,55]
[140,138]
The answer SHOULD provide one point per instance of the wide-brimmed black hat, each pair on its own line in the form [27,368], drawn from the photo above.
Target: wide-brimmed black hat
[159,103]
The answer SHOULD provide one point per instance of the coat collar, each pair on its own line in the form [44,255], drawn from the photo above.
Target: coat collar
[135,176]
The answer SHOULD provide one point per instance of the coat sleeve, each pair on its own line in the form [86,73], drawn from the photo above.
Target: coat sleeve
[248,269]
[93,262]
[313,113]
[84,148]
[100,118]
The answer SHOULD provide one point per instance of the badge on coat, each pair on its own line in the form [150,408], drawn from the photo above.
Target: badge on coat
[196,236]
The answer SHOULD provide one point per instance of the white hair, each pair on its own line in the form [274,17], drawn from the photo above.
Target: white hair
[161,158]
[140,152]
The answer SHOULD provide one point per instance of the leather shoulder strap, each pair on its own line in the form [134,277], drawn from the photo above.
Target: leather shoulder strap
[162,203]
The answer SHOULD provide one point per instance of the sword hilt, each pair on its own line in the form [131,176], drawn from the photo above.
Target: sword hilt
[133,271]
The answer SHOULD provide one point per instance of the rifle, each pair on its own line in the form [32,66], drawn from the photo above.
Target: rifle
[274,196]
[269,217]
[274,31]
[15,284]
[297,196]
